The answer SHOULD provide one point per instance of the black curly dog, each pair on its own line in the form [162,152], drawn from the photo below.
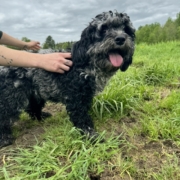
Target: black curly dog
[106,45]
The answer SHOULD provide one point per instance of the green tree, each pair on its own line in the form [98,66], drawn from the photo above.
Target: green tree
[64,45]
[49,43]
[155,33]
[177,21]
[170,29]
[25,39]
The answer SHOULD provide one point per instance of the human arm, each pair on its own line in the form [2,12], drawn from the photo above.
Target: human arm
[11,41]
[55,62]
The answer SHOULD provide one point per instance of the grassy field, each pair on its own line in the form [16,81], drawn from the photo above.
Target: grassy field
[138,114]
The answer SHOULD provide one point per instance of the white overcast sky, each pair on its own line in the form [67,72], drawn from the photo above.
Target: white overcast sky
[64,20]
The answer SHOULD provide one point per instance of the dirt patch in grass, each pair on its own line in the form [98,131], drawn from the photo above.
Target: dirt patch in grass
[28,136]
[147,155]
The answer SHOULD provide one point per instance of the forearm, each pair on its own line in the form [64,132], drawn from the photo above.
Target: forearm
[54,62]
[11,57]
[11,41]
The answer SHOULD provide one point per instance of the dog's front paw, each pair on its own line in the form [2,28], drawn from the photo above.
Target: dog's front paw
[92,135]
[40,117]
[45,115]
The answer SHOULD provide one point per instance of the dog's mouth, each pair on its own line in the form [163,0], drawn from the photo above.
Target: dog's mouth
[115,58]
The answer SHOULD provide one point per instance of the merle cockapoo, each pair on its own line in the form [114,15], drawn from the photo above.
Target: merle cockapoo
[105,46]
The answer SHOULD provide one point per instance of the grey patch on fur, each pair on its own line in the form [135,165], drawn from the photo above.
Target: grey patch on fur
[17,84]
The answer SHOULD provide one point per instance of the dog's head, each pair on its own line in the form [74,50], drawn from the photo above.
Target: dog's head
[107,43]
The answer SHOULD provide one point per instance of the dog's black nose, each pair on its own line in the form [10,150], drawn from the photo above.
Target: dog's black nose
[120,40]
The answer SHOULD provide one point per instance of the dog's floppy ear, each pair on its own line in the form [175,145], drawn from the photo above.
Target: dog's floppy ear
[80,48]
[79,54]
[129,26]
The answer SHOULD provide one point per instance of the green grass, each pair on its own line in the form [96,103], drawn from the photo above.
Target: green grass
[138,114]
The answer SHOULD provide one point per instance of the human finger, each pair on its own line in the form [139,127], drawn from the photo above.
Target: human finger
[66,55]
[68,62]
[34,49]
[36,42]
[38,46]
[65,67]
[60,71]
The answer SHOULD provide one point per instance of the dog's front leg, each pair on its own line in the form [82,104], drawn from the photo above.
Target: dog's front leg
[79,116]
[77,108]
[78,103]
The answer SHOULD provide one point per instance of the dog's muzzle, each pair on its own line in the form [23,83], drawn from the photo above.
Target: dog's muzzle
[120,40]
[115,56]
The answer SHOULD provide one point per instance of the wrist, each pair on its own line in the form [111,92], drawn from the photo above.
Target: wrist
[38,61]
[25,46]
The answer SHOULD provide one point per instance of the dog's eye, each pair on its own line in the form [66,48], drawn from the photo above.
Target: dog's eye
[130,31]
[133,36]
[104,28]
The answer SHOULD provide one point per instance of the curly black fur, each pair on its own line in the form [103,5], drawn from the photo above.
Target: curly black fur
[30,88]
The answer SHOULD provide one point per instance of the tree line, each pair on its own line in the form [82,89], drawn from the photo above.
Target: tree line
[150,33]
[154,33]
[50,43]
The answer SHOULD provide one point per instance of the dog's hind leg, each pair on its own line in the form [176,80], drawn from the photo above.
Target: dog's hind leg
[9,114]
[35,107]
[5,135]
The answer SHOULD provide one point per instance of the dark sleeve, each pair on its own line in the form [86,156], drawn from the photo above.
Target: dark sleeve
[1,34]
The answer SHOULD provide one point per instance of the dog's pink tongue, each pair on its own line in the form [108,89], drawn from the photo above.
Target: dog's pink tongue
[116,59]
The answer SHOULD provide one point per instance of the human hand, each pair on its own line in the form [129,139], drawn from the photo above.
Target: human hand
[56,62]
[33,45]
